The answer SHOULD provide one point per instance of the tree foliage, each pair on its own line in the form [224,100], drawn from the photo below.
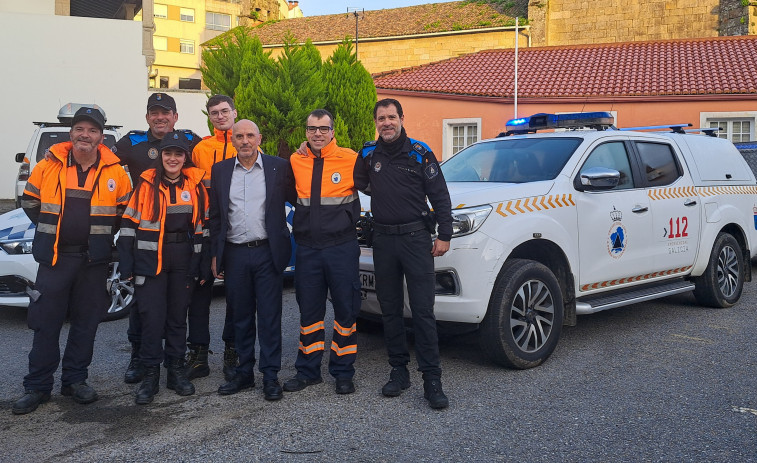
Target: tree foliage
[351,94]
[278,94]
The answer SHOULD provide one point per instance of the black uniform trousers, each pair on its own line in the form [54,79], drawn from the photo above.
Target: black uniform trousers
[333,269]
[199,316]
[75,284]
[254,293]
[407,255]
[163,300]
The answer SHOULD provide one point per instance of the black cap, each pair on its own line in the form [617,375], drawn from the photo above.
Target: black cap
[89,114]
[163,100]
[174,139]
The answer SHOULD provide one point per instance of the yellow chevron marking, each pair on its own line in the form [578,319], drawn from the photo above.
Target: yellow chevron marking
[605,284]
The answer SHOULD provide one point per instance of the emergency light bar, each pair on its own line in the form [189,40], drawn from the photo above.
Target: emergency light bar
[595,120]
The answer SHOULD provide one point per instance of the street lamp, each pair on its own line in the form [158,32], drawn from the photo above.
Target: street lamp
[359,13]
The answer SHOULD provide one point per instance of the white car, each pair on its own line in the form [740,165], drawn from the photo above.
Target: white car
[548,226]
[18,269]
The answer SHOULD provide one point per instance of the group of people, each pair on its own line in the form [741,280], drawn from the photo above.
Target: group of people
[211,208]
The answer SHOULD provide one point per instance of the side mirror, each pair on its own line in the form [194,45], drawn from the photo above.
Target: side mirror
[599,178]
[20,157]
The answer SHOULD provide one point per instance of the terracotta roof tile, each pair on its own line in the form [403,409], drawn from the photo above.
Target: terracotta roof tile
[722,65]
[412,20]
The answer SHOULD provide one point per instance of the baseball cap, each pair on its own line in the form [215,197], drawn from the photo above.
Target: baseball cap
[174,139]
[90,114]
[163,100]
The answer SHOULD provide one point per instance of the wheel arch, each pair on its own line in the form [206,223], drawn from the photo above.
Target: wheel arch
[552,256]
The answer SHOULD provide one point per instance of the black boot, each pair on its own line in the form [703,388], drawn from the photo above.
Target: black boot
[177,377]
[399,380]
[432,391]
[230,362]
[149,386]
[197,361]
[135,371]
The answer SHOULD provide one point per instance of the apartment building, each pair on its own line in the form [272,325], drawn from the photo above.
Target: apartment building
[182,25]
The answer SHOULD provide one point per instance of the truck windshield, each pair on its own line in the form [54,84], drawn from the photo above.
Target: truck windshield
[511,160]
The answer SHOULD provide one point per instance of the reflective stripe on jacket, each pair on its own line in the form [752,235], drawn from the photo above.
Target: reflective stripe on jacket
[44,201]
[211,150]
[328,206]
[140,242]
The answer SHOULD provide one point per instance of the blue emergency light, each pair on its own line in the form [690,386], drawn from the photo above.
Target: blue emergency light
[597,120]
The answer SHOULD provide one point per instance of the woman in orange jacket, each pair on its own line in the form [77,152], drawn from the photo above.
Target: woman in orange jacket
[160,248]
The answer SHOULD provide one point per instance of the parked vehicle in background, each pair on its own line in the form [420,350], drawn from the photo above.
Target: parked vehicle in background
[49,133]
[548,226]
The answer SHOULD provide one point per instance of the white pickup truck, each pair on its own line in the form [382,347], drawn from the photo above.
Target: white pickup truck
[556,224]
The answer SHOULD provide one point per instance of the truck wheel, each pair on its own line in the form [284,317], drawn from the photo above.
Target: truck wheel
[121,294]
[525,315]
[722,281]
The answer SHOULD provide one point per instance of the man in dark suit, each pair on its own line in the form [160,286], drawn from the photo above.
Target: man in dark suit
[250,247]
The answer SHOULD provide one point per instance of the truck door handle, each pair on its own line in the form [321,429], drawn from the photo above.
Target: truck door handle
[639,209]
[690,202]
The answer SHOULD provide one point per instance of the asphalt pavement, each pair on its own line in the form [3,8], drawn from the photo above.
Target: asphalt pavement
[661,381]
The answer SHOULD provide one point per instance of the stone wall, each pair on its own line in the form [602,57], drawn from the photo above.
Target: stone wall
[574,22]
[735,17]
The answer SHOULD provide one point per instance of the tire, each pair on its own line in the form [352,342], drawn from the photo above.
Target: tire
[721,283]
[525,315]
[121,294]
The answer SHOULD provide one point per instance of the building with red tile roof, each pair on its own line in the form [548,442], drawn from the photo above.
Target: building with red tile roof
[707,82]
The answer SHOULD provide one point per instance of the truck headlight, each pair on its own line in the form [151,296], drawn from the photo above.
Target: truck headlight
[17,247]
[468,220]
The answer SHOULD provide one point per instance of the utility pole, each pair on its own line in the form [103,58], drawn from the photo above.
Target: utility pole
[359,13]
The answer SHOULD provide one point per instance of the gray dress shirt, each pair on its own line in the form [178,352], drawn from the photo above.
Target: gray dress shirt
[247,203]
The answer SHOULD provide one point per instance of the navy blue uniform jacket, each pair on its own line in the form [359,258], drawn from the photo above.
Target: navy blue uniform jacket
[279,187]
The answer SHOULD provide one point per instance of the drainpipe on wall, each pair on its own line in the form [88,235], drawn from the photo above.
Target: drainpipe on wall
[148,28]
[515,106]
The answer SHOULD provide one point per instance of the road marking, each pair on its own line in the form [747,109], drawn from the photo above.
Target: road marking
[744,410]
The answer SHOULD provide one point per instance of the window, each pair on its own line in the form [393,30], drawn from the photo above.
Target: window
[658,163]
[217,21]
[459,133]
[736,126]
[187,14]
[613,156]
[159,11]
[164,82]
[159,43]
[734,130]
[187,46]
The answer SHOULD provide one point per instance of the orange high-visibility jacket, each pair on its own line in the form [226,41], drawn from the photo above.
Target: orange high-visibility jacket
[140,242]
[328,206]
[211,150]
[44,201]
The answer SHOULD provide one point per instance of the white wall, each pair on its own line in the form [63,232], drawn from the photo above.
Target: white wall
[28,6]
[50,60]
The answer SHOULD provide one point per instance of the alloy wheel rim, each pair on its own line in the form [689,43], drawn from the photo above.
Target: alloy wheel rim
[532,316]
[728,271]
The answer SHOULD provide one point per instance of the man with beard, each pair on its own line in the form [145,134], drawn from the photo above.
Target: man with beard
[75,197]
[402,173]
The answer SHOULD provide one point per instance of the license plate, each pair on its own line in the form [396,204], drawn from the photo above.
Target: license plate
[368,280]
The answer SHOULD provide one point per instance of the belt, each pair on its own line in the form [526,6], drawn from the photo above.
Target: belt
[400,229]
[178,237]
[250,244]
[72,248]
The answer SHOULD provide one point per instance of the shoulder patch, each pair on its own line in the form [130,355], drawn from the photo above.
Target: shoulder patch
[420,150]
[367,150]
[137,136]
[370,143]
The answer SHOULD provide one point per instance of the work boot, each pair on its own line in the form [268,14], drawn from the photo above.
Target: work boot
[197,361]
[177,377]
[135,371]
[432,391]
[30,401]
[399,380]
[149,386]
[81,392]
[230,362]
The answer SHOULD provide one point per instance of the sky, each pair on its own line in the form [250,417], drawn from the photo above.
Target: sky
[321,7]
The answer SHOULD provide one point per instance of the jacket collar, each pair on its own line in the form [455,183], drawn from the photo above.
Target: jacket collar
[329,150]
[222,135]
[61,150]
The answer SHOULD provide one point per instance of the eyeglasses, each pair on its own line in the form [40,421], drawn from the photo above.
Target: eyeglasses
[324,129]
[223,112]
